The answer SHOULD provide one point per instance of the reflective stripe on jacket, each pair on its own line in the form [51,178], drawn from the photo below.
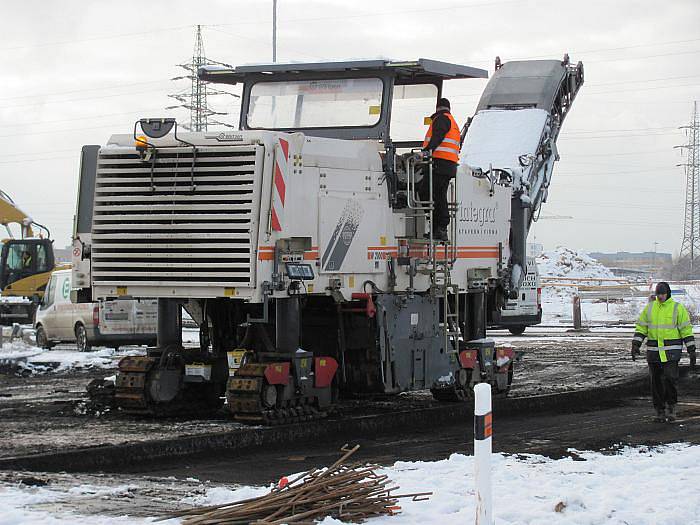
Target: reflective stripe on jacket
[667,326]
[448,149]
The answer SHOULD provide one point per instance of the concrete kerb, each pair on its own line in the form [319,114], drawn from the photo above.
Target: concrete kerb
[119,457]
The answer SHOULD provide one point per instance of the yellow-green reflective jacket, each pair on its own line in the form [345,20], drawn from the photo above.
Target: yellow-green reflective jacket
[666,326]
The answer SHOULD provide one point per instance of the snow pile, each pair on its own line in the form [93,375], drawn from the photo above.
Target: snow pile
[593,488]
[564,266]
[27,359]
[565,262]
[637,485]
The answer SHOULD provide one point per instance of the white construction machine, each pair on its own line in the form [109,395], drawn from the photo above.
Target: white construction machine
[300,245]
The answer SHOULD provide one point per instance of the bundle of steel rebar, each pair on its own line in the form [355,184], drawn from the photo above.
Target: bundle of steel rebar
[348,492]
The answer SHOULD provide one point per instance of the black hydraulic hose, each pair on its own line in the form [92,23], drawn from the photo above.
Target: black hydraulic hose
[48,233]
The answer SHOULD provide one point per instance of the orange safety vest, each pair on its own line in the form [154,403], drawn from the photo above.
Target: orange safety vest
[448,149]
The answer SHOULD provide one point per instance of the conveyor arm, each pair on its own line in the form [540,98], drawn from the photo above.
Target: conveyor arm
[514,130]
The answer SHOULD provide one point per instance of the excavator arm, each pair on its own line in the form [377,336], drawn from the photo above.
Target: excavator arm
[511,140]
[11,214]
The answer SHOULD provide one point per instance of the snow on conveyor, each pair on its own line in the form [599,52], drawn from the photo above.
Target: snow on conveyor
[498,137]
[638,486]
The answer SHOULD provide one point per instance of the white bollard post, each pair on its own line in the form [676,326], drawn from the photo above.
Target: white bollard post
[482,453]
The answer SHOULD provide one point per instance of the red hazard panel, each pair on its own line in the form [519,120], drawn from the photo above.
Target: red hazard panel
[467,358]
[277,373]
[504,358]
[324,370]
[370,309]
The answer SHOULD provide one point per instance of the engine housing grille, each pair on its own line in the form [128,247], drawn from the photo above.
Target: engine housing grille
[172,225]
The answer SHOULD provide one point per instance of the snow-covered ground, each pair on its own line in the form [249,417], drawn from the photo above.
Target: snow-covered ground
[32,359]
[565,263]
[637,485]
[28,358]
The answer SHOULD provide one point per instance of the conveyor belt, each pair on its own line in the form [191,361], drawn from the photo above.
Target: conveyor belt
[514,131]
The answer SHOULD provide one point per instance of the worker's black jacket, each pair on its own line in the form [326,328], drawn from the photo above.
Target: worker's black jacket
[441,125]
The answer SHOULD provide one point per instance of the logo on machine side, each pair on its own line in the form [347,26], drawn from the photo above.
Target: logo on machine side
[478,214]
[229,136]
[344,233]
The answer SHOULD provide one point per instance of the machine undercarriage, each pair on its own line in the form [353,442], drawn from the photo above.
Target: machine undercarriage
[276,376]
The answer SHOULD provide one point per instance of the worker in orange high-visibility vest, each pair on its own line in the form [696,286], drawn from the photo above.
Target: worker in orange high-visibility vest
[443,141]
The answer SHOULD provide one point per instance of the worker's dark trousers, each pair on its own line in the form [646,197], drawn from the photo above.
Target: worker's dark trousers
[441,183]
[664,377]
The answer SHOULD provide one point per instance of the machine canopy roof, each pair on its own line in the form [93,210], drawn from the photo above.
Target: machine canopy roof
[406,71]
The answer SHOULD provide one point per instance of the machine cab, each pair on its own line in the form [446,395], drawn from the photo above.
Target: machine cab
[368,99]
[23,258]
[379,100]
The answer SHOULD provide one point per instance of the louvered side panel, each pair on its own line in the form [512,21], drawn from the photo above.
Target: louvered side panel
[172,222]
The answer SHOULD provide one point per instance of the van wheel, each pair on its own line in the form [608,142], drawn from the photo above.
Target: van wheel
[517,330]
[81,338]
[42,341]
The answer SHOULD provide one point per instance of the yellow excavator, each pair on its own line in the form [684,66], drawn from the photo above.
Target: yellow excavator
[26,264]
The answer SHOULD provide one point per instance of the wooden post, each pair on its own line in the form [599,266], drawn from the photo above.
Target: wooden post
[577,312]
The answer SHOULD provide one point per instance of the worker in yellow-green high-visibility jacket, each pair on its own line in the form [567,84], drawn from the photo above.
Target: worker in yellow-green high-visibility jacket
[666,326]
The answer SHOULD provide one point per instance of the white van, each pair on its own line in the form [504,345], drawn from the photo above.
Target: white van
[109,323]
[526,309]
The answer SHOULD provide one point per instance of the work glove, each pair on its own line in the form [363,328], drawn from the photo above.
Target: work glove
[635,351]
[691,355]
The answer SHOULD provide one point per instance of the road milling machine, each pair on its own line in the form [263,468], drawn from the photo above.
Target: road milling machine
[26,263]
[300,244]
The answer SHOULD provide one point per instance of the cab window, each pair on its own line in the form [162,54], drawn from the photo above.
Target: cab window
[328,103]
[18,263]
[20,257]
[49,293]
[43,264]
[410,105]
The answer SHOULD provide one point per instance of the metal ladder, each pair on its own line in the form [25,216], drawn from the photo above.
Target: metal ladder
[441,256]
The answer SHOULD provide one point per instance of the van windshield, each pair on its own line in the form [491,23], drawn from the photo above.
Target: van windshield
[328,103]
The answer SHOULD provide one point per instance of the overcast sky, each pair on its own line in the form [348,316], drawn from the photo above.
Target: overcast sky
[73,73]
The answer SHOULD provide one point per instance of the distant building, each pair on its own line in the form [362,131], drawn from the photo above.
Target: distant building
[644,262]
[534,249]
[63,255]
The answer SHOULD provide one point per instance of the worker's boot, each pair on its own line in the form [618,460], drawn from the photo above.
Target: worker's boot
[660,416]
[671,413]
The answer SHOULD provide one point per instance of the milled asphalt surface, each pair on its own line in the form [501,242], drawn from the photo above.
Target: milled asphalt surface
[39,416]
[45,413]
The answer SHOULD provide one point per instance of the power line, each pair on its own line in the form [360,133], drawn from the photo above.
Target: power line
[115,86]
[92,39]
[570,138]
[87,117]
[577,131]
[196,99]
[20,161]
[81,99]
[648,88]
[690,247]
[645,152]
[129,131]
[367,15]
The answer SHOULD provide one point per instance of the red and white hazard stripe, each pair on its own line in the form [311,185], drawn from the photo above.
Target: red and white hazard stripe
[279,188]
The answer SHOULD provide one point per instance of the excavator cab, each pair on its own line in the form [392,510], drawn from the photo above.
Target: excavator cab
[22,265]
